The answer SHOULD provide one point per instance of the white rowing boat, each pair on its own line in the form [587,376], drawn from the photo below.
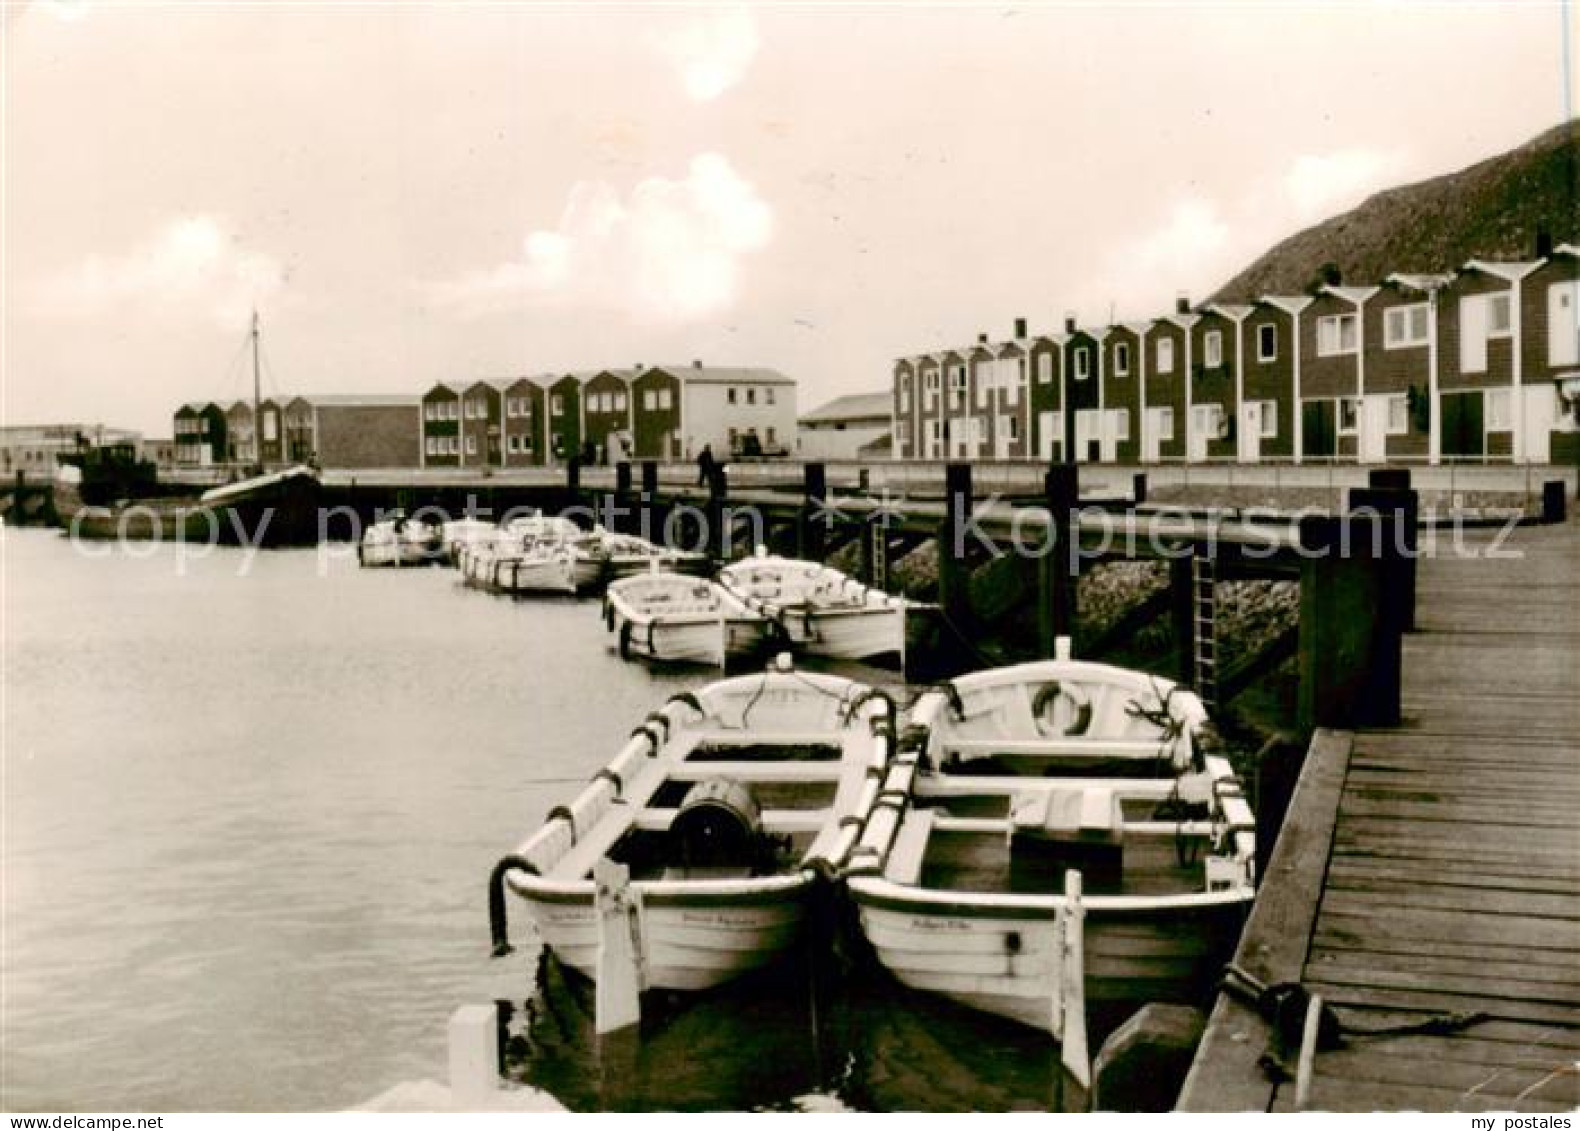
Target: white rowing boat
[675,618]
[602,557]
[400,541]
[822,611]
[1029,896]
[693,857]
[529,555]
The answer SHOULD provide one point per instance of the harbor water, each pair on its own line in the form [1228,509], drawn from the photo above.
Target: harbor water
[250,805]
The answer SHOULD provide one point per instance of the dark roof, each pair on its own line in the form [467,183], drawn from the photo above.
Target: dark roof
[853,406]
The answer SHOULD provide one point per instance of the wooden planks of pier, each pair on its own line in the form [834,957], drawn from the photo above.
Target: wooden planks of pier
[1434,867]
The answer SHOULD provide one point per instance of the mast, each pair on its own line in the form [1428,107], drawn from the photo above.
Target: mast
[257,415]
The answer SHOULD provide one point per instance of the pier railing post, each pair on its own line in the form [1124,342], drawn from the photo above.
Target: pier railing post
[1058,572]
[1138,488]
[812,524]
[954,583]
[573,480]
[1389,491]
[617,504]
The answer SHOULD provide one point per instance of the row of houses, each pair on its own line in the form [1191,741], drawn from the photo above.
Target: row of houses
[1482,363]
[644,412]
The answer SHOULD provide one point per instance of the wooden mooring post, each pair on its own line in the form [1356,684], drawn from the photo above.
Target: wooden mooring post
[812,522]
[954,581]
[1058,573]
[647,515]
[875,552]
[1388,492]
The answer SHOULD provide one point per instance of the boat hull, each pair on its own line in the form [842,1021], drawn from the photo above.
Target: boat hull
[1005,964]
[855,634]
[690,641]
[281,510]
[691,942]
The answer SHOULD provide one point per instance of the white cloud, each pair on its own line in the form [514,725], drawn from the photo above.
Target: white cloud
[671,251]
[713,51]
[1323,184]
[193,265]
[1194,233]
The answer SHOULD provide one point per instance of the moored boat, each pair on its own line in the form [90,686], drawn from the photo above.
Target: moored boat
[528,555]
[602,556]
[694,856]
[401,541]
[1031,896]
[459,534]
[673,617]
[275,509]
[822,611]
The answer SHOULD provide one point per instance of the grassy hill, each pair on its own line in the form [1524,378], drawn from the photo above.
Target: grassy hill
[1492,209]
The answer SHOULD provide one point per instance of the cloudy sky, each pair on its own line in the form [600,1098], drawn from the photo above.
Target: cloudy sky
[410,193]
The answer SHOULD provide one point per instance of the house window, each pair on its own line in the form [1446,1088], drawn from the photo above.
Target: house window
[1267,425]
[1405,326]
[1122,359]
[1398,415]
[1213,349]
[957,386]
[618,400]
[664,400]
[1563,323]
[1349,412]
[905,394]
[471,445]
[557,404]
[1165,355]
[730,395]
[1121,424]
[649,400]
[751,396]
[768,396]
[1267,342]
[1335,335]
[1014,427]
[510,444]
[453,445]
[431,445]
[452,410]
[1499,410]
[430,411]
[1165,419]
[1500,322]
[1045,368]
[1083,364]
[768,437]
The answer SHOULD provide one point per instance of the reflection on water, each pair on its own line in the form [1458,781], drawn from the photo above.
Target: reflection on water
[249,809]
[796,1037]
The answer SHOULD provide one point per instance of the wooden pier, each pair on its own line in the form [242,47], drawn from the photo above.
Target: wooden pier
[1428,873]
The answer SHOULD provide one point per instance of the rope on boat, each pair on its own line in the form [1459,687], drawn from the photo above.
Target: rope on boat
[498,928]
[563,812]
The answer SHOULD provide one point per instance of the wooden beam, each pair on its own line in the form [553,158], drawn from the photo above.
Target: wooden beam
[1226,1075]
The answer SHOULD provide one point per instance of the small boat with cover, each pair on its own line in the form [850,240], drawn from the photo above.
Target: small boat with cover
[401,541]
[696,854]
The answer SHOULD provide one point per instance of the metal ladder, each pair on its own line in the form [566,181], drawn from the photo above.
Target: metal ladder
[1204,612]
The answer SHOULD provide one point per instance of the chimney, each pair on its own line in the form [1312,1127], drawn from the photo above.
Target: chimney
[1544,244]
[1020,328]
[696,363]
[1182,303]
[981,339]
[1069,321]
[637,367]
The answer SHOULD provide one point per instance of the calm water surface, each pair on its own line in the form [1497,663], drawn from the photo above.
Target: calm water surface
[248,816]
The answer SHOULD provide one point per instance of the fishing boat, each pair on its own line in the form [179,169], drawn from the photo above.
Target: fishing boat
[1021,878]
[279,508]
[673,617]
[822,611]
[401,541]
[695,855]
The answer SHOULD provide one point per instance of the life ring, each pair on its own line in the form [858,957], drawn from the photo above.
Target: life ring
[1044,704]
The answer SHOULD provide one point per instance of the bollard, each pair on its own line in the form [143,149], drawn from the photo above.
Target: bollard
[474,1055]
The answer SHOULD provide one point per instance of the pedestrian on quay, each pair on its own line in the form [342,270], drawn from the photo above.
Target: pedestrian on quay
[706,465]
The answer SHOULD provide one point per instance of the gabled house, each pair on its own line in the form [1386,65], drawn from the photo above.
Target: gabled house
[1549,318]
[1123,389]
[1399,342]
[441,426]
[1165,364]
[1046,396]
[1270,375]
[1332,378]
[1478,362]
[524,424]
